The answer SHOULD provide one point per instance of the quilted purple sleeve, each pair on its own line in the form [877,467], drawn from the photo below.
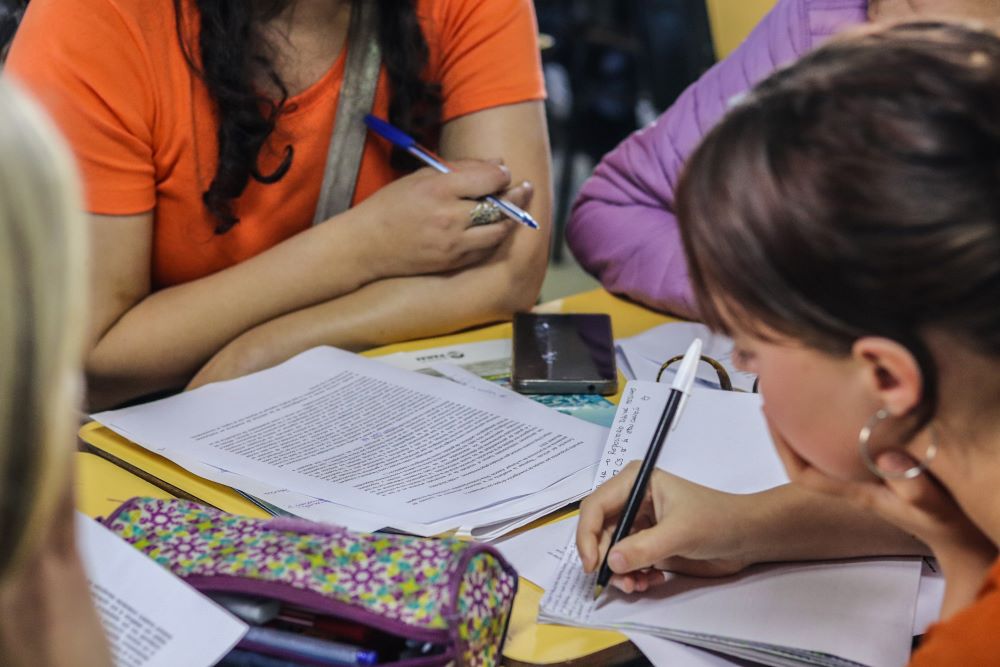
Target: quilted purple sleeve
[622,228]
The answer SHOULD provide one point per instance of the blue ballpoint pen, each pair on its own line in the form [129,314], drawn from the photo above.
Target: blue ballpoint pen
[407,143]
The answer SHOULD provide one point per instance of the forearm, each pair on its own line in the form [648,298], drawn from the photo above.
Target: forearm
[387,311]
[622,227]
[407,308]
[635,251]
[791,523]
[163,339]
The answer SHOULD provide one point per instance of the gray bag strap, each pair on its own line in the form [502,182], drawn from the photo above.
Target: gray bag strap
[343,159]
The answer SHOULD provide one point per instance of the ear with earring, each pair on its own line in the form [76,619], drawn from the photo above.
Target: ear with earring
[864,440]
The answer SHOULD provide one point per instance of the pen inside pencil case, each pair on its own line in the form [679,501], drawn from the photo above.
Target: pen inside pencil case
[285,631]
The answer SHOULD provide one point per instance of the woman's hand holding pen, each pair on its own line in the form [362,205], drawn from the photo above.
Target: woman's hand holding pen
[681,527]
[421,223]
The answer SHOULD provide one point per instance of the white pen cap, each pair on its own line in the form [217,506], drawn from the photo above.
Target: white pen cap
[684,379]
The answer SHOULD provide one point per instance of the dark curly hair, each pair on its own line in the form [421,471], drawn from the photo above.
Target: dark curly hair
[11,12]
[232,52]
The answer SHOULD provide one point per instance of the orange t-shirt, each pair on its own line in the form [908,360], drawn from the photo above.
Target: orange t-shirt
[970,637]
[113,75]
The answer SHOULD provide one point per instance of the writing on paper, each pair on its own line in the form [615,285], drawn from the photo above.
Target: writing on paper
[134,638]
[629,438]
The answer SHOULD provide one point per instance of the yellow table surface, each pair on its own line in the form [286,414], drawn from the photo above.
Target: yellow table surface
[732,21]
[102,485]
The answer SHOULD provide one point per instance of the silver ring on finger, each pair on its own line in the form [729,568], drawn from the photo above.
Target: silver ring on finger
[485,213]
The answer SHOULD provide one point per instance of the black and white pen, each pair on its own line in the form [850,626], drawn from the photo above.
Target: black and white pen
[679,392]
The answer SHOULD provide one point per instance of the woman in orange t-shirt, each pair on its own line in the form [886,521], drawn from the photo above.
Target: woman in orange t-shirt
[858,272]
[201,128]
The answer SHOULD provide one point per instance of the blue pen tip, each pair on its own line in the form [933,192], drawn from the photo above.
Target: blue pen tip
[390,132]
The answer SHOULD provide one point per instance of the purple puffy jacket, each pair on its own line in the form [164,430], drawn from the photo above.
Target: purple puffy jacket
[622,228]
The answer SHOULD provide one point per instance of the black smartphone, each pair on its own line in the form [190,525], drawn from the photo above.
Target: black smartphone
[563,354]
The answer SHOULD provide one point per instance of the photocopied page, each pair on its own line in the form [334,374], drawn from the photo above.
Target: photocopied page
[491,360]
[296,504]
[340,427]
[488,359]
[152,618]
[479,525]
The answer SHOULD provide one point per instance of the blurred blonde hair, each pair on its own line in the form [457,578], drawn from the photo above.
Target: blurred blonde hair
[42,292]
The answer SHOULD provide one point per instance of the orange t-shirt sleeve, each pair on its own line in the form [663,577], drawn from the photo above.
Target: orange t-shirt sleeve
[487,55]
[84,62]
[970,637]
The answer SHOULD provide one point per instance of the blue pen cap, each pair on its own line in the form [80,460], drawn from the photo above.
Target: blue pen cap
[367,658]
[390,132]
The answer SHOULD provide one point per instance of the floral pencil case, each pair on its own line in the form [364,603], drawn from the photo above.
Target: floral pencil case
[400,600]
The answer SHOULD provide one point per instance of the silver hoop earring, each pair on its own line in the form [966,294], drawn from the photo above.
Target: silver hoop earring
[910,473]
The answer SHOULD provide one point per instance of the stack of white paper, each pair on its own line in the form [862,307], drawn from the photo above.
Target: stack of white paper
[333,436]
[805,614]
[835,613]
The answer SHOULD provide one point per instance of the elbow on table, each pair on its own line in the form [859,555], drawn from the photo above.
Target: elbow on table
[105,391]
[110,384]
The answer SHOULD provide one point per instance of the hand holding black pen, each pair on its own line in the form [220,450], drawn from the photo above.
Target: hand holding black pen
[679,391]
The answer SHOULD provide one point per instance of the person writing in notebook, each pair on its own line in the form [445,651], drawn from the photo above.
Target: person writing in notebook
[858,272]
[202,129]
[46,614]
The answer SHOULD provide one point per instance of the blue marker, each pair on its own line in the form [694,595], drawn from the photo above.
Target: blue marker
[407,143]
[317,651]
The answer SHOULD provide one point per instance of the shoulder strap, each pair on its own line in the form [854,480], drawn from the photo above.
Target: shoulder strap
[343,159]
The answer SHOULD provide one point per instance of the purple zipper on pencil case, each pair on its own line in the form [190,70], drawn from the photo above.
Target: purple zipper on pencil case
[450,593]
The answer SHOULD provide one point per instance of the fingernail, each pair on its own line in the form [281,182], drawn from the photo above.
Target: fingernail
[616,561]
[624,584]
[895,462]
[504,169]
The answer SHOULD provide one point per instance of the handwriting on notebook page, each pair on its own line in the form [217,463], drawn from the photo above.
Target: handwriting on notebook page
[632,431]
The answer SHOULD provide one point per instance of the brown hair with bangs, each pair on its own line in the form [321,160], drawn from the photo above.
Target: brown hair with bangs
[857,193]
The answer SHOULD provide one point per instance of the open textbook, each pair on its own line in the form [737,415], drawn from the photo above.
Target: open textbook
[826,613]
[152,618]
[414,452]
